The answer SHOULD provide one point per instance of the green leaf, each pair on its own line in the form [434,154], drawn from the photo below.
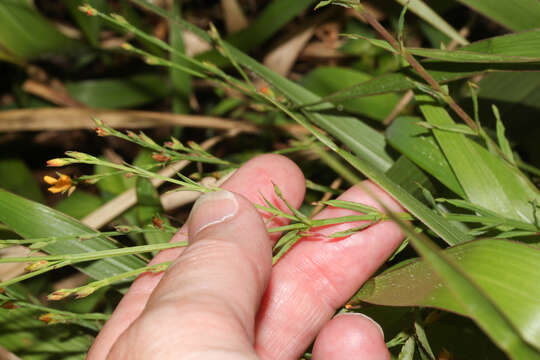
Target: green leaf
[28,35]
[522,44]
[514,14]
[117,93]
[486,179]
[327,80]
[420,147]
[423,341]
[503,271]
[410,177]
[17,178]
[468,56]
[504,144]
[33,220]
[407,351]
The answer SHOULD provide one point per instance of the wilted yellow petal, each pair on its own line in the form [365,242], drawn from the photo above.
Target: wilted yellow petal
[49,179]
[62,184]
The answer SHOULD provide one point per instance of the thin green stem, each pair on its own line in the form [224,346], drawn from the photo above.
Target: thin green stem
[96,255]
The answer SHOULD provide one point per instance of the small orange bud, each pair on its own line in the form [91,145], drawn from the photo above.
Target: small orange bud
[161,157]
[48,318]
[58,295]
[84,292]
[101,132]
[158,223]
[265,90]
[57,162]
[9,305]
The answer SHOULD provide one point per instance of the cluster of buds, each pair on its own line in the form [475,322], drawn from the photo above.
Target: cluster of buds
[161,157]
[80,292]
[37,265]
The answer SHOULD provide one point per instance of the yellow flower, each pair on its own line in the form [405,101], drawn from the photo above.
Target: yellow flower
[62,184]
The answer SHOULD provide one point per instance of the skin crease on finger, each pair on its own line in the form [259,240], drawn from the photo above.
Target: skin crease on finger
[254,178]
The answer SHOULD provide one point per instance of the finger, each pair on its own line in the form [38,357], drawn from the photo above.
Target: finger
[254,178]
[351,336]
[213,288]
[318,275]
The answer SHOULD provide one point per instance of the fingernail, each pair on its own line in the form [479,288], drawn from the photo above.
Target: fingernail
[211,209]
[366,317]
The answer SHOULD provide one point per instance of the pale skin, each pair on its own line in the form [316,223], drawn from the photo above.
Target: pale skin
[222,299]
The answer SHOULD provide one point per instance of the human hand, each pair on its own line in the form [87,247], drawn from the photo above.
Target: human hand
[221,298]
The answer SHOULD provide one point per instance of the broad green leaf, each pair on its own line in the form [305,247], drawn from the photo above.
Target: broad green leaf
[33,220]
[503,270]
[418,144]
[468,56]
[410,177]
[17,178]
[117,93]
[28,35]
[486,179]
[524,43]
[327,80]
[516,90]
[514,14]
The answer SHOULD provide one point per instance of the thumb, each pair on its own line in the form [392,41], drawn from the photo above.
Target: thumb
[206,303]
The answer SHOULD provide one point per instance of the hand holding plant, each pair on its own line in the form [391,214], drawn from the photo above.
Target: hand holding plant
[224,278]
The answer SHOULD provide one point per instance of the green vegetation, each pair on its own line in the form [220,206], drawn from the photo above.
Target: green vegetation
[435,102]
